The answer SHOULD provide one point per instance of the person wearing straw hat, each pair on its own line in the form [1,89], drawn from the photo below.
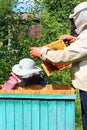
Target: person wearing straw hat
[25,73]
[75,53]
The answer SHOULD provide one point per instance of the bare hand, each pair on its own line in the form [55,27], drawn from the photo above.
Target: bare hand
[35,51]
[67,38]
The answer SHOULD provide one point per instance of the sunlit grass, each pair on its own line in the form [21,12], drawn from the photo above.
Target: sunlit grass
[78,112]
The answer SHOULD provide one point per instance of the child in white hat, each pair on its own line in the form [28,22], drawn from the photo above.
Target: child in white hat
[25,73]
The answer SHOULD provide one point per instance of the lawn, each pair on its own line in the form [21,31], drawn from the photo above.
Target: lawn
[78,112]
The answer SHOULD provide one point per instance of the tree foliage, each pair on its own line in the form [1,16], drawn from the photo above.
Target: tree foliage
[53,22]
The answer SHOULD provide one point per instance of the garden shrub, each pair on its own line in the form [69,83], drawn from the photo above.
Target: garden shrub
[53,22]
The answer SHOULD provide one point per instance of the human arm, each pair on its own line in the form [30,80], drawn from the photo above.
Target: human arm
[35,51]
[73,53]
[67,38]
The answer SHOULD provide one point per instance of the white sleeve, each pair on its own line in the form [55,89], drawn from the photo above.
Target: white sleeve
[73,53]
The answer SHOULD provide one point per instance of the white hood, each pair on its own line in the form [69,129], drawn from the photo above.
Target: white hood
[80,17]
[81,21]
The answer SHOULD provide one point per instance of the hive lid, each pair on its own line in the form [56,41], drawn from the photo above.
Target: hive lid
[49,68]
[39,89]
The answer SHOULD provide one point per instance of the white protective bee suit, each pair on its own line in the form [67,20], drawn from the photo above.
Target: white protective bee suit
[76,53]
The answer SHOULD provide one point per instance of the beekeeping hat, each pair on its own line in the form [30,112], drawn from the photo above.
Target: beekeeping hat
[26,68]
[79,8]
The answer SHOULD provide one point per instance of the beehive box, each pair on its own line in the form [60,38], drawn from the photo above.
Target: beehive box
[50,107]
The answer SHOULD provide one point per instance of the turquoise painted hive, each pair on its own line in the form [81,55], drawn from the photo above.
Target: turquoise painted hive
[51,107]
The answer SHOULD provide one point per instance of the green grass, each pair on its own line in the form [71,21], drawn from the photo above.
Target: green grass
[78,112]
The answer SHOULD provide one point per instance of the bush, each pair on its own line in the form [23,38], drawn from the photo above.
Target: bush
[53,22]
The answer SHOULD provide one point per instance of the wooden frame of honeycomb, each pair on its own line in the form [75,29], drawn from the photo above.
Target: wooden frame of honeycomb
[49,68]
